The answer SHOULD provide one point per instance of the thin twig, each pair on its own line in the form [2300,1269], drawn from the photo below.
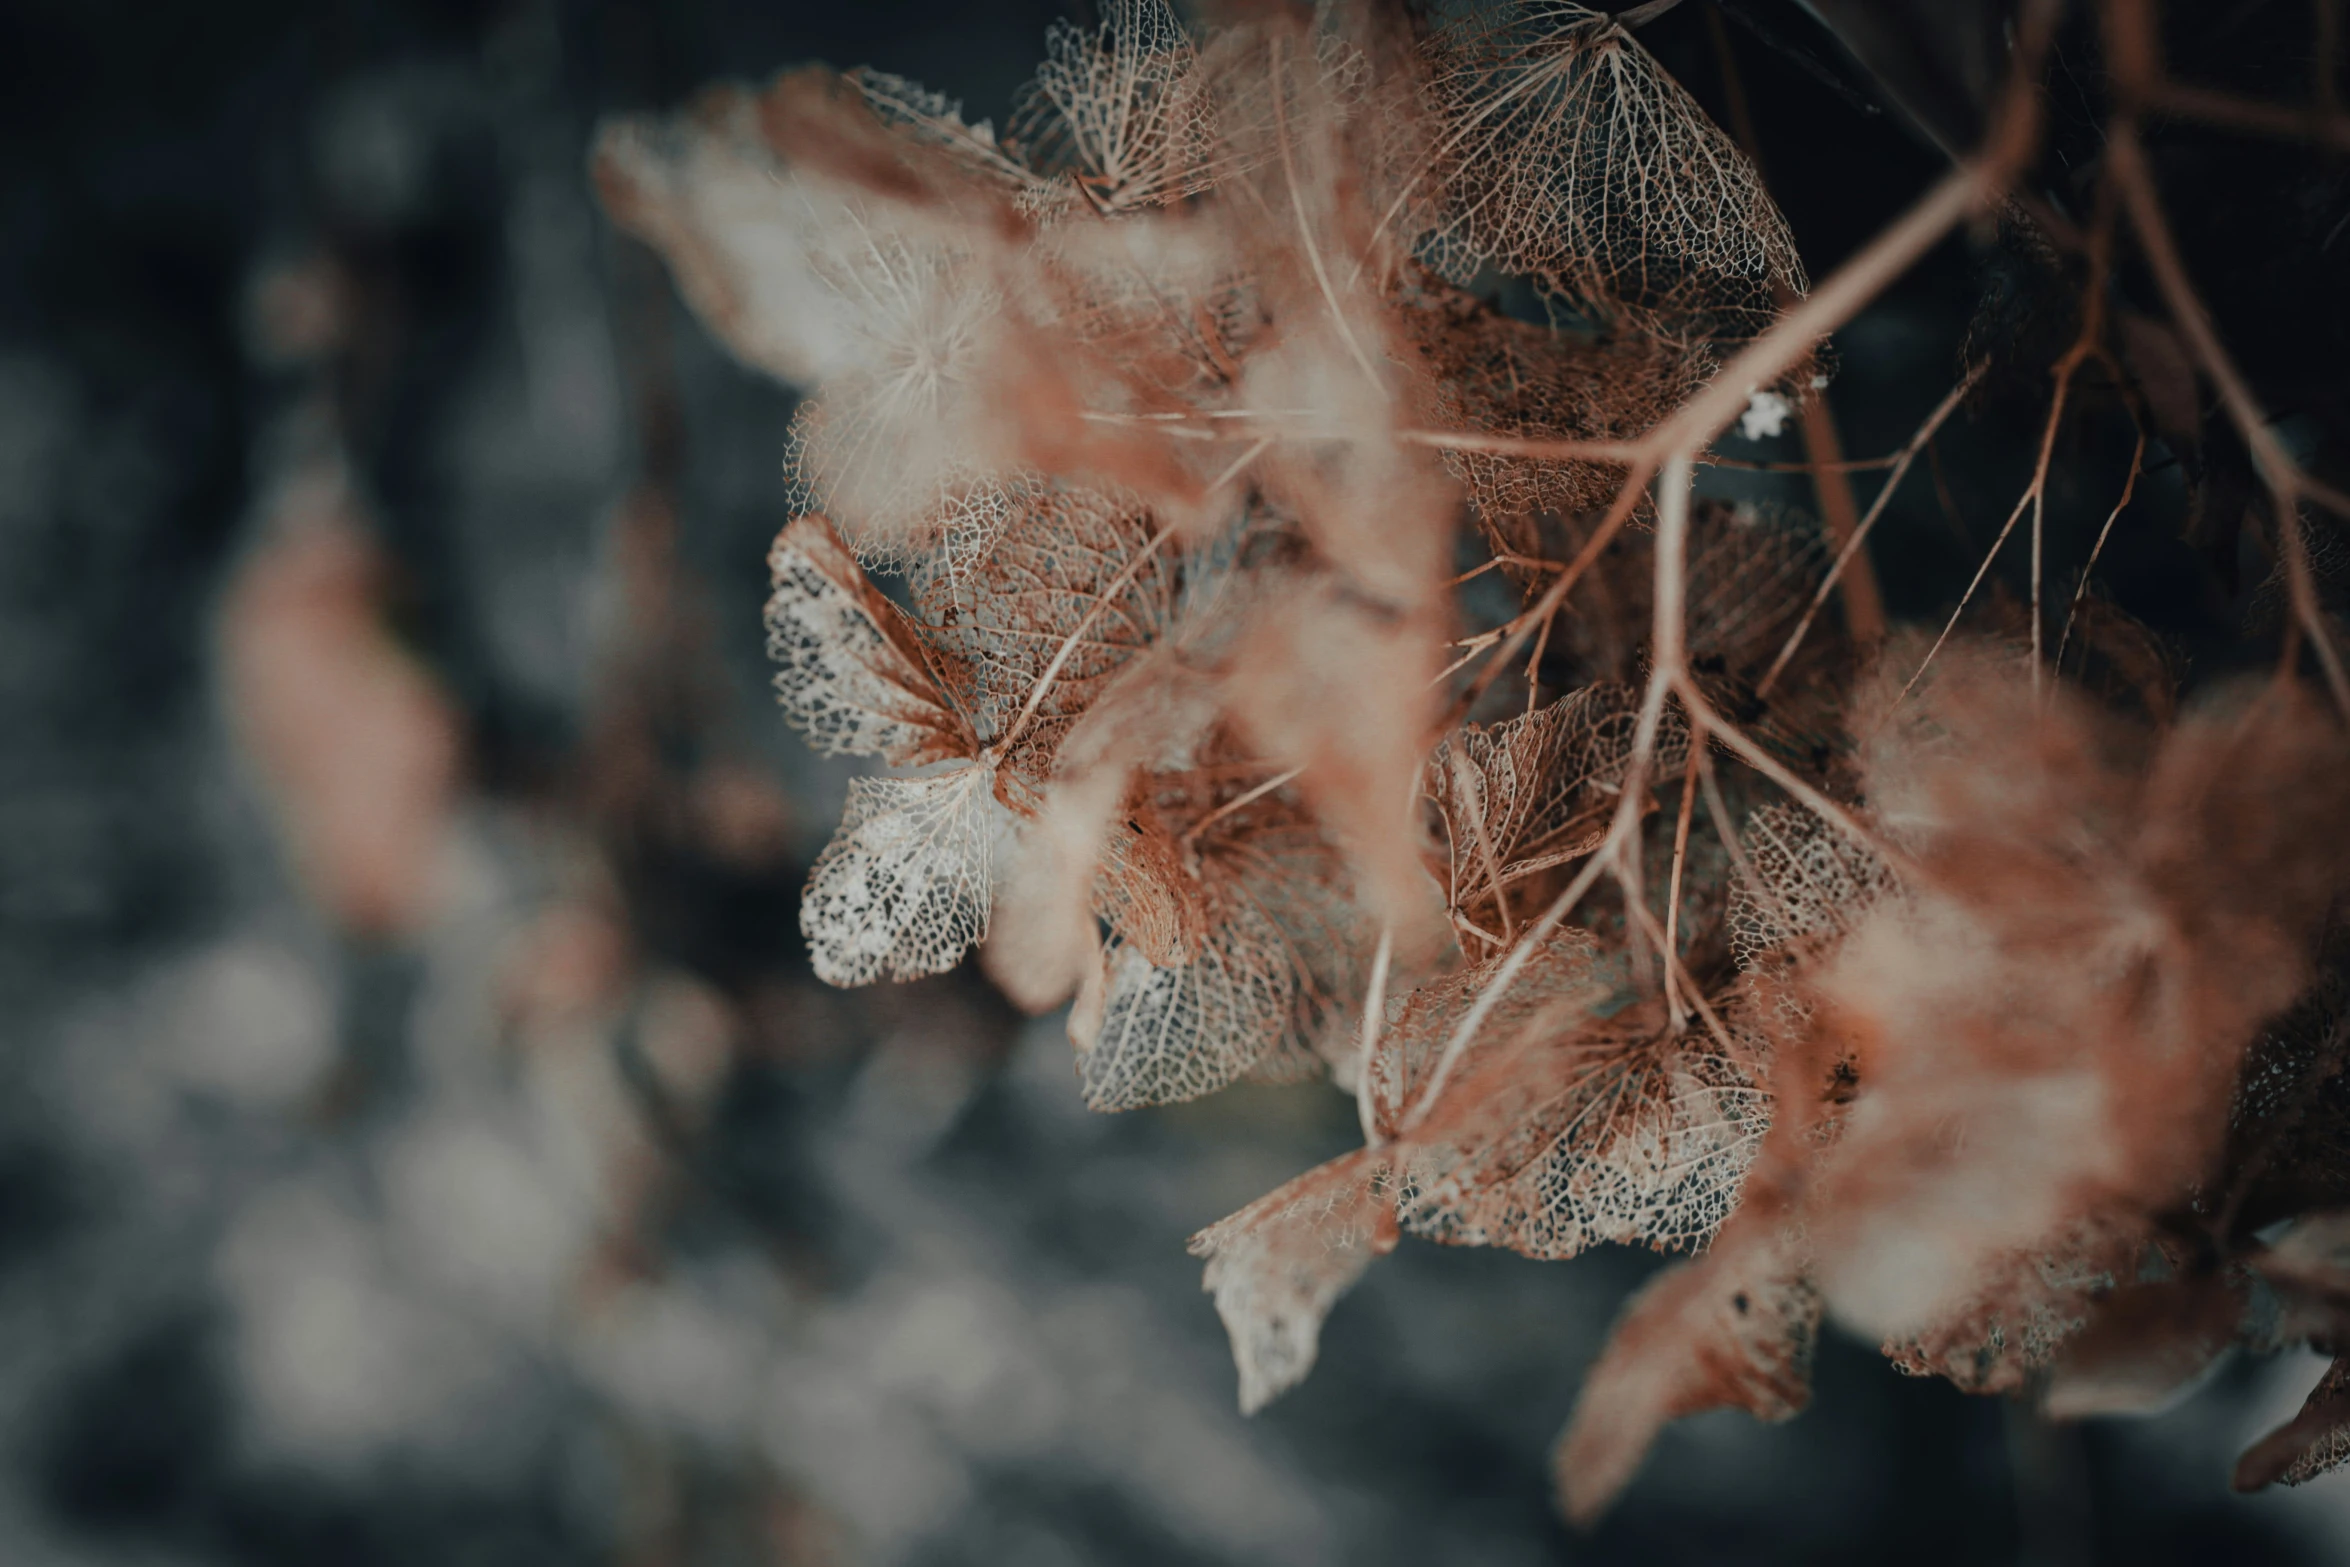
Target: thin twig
[1860,534]
[1247,799]
[2129,488]
[1305,227]
[2288,484]
[1374,1013]
[1673,886]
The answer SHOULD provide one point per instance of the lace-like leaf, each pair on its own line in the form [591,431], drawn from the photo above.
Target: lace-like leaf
[1731,1330]
[1279,951]
[1554,988]
[935,120]
[1816,883]
[1278,1265]
[1124,108]
[1493,375]
[903,889]
[2314,1442]
[2032,1302]
[1532,793]
[886,308]
[1569,156]
[1617,1130]
[1067,564]
[852,674]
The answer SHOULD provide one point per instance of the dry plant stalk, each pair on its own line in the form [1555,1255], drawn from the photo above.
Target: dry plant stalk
[1167,413]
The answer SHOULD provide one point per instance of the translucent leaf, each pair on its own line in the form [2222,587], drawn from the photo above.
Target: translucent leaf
[1562,1129]
[935,120]
[851,671]
[1555,987]
[1751,575]
[903,888]
[1629,1136]
[1533,793]
[2030,1305]
[1569,156]
[1140,889]
[1278,1265]
[1279,951]
[1125,108]
[2314,1442]
[1069,568]
[1179,1031]
[1166,296]
[1815,883]
[886,308]
[1493,375]
[1734,1330]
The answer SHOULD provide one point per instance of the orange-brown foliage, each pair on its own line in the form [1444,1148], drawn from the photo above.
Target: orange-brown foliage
[1912,986]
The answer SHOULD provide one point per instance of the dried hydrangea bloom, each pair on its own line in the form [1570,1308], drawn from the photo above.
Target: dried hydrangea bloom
[1927,996]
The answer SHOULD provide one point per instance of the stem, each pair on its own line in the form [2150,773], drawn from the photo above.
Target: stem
[1374,1012]
[1673,891]
[1901,465]
[2129,488]
[2126,164]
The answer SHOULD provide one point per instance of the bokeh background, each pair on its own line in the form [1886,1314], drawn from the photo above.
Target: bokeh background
[422,1140]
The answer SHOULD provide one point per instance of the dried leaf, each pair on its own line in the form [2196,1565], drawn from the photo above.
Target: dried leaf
[1280,949]
[2028,1306]
[1812,883]
[1733,1330]
[1278,1265]
[903,888]
[1075,585]
[1124,109]
[2314,1442]
[1493,375]
[1569,156]
[1594,1130]
[2052,1021]
[853,674]
[1533,793]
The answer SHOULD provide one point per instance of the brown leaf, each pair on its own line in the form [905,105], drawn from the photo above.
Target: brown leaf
[853,673]
[1279,956]
[2026,1306]
[2144,1343]
[1278,1265]
[2051,1021]
[1533,793]
[1585,1130]
[1572,158]
[2314,1442]
[1076,585]
[1493,375]
[1732,1330]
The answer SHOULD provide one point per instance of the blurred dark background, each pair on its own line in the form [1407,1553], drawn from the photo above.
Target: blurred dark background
[422,1140]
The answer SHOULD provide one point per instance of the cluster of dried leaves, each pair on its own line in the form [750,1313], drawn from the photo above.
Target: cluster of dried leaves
[1986,1011]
